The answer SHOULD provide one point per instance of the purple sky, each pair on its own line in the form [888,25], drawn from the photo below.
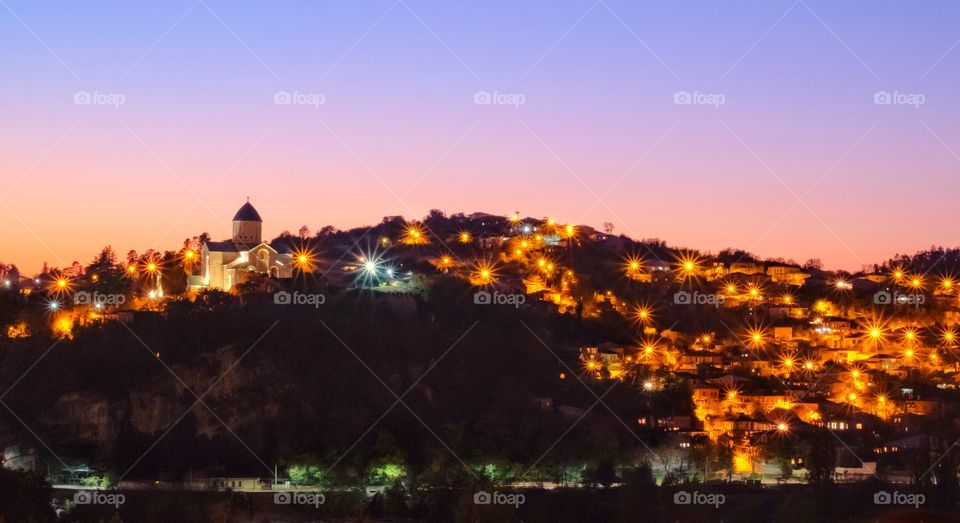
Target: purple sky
[783,150]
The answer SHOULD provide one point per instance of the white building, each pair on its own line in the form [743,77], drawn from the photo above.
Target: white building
[227,263]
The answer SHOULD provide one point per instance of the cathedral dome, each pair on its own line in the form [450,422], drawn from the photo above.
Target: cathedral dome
[247,214]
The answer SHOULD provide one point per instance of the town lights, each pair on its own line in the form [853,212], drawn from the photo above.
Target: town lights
[949,336]
[909,335]
[644,314]
[465,237]
[483,274]
[414,235]
[898,274]
[783,427]
[756,337]
[946,283]
[303,259]
[60,285]
[53,305]
[916,282]
[688,266]
[648,385]
[788,363]
[632,265]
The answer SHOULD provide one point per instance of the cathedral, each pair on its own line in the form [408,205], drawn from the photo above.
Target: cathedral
[227,263]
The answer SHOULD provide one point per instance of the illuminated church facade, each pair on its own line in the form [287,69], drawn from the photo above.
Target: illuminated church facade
[227,263]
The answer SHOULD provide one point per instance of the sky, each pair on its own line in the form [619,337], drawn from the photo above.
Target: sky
[794,129]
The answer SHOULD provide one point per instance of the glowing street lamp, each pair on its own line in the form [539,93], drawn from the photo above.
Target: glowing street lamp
[414,235]
[843,285]
[916,282]
[910,336]
[755,337]
[60,285]
[688,266]
[898,274]
[788,363]
[465,237]
[483,274]
[949,337]
[947,284]
[644,314]
[303,259]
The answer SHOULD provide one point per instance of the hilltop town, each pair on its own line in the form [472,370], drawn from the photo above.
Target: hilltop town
[727,366]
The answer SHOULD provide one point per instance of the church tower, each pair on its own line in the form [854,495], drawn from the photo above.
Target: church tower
[247,225]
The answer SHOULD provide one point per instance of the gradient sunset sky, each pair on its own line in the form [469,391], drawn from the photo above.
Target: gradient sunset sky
[797,162]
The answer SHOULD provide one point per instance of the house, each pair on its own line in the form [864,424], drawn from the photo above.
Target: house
[742,267]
